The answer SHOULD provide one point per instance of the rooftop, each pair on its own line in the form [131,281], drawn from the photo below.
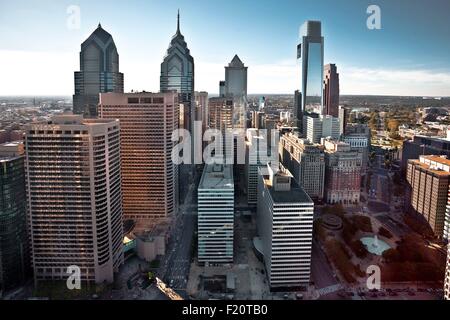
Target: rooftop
[217,176]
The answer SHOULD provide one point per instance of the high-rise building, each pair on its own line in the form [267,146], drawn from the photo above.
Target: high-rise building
[343,173]
[343,114]
[310,58]
[429,179]
[149,177]
[423,145]
[359,143]
[74,197]
[320,126]
[236,79]
[216,214]
[99,72]
[14,249]
[306,162]
[285,227]
[331,91]
[177,73]
[201,103]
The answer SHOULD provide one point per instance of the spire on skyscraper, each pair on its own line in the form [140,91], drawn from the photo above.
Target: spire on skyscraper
[178,21]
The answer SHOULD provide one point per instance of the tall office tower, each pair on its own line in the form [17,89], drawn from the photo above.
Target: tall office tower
[99,72]
[285,227]
[343,114]
[221,88]
[236,78]
[320,126]
[298,111]
[177,73]
[256,156]
[306,162]
[221,117]
[310,58]
[74,196]
[343,173]
[14,250]
[201,102]
[216,214]
[149,177]
[258,119]
[331,91]
[429,179]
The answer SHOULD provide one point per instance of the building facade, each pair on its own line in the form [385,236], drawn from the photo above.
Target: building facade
[320,126]
[429,179]
[99,72]
[14,248]
[343,173]
[74,197]
[331,91]
[306,162]
[149,177]
[285,226]
[216,215]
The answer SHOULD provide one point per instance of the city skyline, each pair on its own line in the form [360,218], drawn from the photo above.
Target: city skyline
[402,67]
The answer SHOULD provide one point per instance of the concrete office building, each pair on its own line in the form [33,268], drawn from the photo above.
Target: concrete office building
[331,91]
[99,72]
[285,228]
[306,162]
[320,126]
[149,177]
[429,179]
[216,214]
[359,143]
[343,173]
[73,185]
[14,248]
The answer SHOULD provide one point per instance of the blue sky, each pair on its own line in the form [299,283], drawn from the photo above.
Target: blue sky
[410,55]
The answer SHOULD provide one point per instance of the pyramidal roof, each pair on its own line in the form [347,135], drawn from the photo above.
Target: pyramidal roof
[236,62]
[103,35]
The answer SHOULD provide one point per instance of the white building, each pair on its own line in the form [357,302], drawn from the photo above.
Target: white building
[285,225]
[216,214]
[320,126]
[73,181]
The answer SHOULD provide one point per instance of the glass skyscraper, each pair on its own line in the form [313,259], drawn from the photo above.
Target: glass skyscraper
[177,74]
[310,58]
[99,72]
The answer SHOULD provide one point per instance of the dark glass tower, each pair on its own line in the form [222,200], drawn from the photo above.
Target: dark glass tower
[99,72]
[177,74]
[14,249]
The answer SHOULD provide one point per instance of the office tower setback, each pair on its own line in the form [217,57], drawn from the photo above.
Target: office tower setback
[74,196]
[177,73]
[216,214]
[306,162]
[285,225]
[343,173]
[149,177]
[331,91]
[310,58]
[14,250]
[99,72]
[429,179]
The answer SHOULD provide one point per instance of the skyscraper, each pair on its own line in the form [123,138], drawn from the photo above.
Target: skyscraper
[177,73]
[99,72]
[285,228]
[331,91]
[310,58]
[149,177]
[255,157]
[216,214]
[306,162]
[236,78]
[74,196]
[14,251]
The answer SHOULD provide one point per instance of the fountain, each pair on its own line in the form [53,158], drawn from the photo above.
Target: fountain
[375,245]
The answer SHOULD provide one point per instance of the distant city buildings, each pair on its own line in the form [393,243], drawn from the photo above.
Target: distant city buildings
[216,214]
[14,246]
[285,228]
[73,186]
[99,72]
[343,173]
[149,177]
[306,162]
[331,91]
[429,180]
